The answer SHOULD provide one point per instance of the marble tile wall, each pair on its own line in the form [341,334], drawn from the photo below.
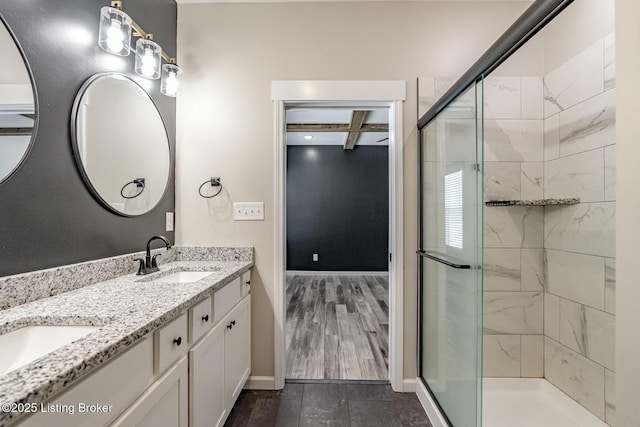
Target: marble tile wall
[514,138]
[579,240]
[558,144]
[513,235]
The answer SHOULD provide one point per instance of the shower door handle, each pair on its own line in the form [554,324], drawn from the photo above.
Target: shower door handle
[448,263]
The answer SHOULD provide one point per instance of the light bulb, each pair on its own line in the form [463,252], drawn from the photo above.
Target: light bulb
[148,63]
[170,79]
[171,85]
[115,36]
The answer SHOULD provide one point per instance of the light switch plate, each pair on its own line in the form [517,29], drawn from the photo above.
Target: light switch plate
[248,211]
[169,221]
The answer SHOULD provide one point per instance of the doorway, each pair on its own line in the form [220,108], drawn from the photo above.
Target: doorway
[374,94]
[337,243]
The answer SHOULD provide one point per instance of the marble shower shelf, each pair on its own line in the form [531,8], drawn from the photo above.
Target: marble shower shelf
[539,202]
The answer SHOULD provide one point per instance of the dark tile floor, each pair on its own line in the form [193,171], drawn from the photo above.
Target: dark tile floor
[325,404]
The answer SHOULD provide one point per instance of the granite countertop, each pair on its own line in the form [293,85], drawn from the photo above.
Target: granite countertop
[535,202]
[126,309]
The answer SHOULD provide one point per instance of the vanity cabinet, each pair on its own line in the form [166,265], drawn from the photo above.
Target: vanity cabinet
[113,386]
[246,283]
[163,404]
[219,366]
[170,343]
[207,404]
[237,349]
[187,373]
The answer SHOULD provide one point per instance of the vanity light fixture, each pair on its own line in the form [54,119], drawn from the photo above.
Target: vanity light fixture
[169,83]
[148,59]
[116,29]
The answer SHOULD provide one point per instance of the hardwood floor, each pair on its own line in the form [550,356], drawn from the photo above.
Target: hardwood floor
[337,327]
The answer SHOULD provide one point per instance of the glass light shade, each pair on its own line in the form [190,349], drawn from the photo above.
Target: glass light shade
[115,31]
[170,80]
[148,59]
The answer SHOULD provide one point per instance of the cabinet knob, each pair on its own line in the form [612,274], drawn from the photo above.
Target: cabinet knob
[205,318]
[248,282]
[177,341]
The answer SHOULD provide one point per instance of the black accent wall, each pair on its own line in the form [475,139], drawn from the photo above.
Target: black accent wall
[48,217]
[337,207]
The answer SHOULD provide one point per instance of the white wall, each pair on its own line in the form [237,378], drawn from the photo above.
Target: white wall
[628,209]
[232,52]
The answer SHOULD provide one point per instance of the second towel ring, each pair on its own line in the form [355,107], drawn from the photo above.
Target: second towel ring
[139,182]
[215,182]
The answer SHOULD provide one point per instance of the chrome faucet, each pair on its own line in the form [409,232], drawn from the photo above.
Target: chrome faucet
[149,264]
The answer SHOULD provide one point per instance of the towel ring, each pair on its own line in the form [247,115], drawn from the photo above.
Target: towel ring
[138,182]
[215,182]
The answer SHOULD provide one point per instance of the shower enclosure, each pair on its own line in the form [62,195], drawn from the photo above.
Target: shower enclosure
[517,228]
[450,359]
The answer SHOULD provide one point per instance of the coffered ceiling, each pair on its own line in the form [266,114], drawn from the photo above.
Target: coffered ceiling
[348,127]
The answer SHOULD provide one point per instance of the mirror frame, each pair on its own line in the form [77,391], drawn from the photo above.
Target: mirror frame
[36,104]
[76,153]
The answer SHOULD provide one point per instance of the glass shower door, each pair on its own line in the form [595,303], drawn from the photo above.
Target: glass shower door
[450,253]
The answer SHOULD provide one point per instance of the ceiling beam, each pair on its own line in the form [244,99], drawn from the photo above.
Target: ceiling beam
[357,120]
[338,127]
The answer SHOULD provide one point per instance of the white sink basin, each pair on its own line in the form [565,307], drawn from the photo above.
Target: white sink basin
[184,277]
[26,344]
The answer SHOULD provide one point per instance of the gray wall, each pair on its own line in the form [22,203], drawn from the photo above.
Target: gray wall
[48,217]
[337,207]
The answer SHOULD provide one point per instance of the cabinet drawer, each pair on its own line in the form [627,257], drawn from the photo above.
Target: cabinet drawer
[246,283]
[225,299]
[114,386]
[170,343]
[200,319]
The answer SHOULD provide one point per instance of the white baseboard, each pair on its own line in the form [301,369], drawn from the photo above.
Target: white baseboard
[408,385]
[429,405]
[336,273]
[260,383]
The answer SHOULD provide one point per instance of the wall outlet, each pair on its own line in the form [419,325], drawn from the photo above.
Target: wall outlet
[169,221]
[315,257]
[248,211]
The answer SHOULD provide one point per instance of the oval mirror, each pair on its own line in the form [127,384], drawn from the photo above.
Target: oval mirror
[17,106]
[120,144]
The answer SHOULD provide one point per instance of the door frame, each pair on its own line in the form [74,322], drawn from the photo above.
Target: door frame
[388,93]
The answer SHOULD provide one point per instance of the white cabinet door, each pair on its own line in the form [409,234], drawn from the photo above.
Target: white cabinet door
[237,349]
[207,405]
[114,386]
[164,404]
